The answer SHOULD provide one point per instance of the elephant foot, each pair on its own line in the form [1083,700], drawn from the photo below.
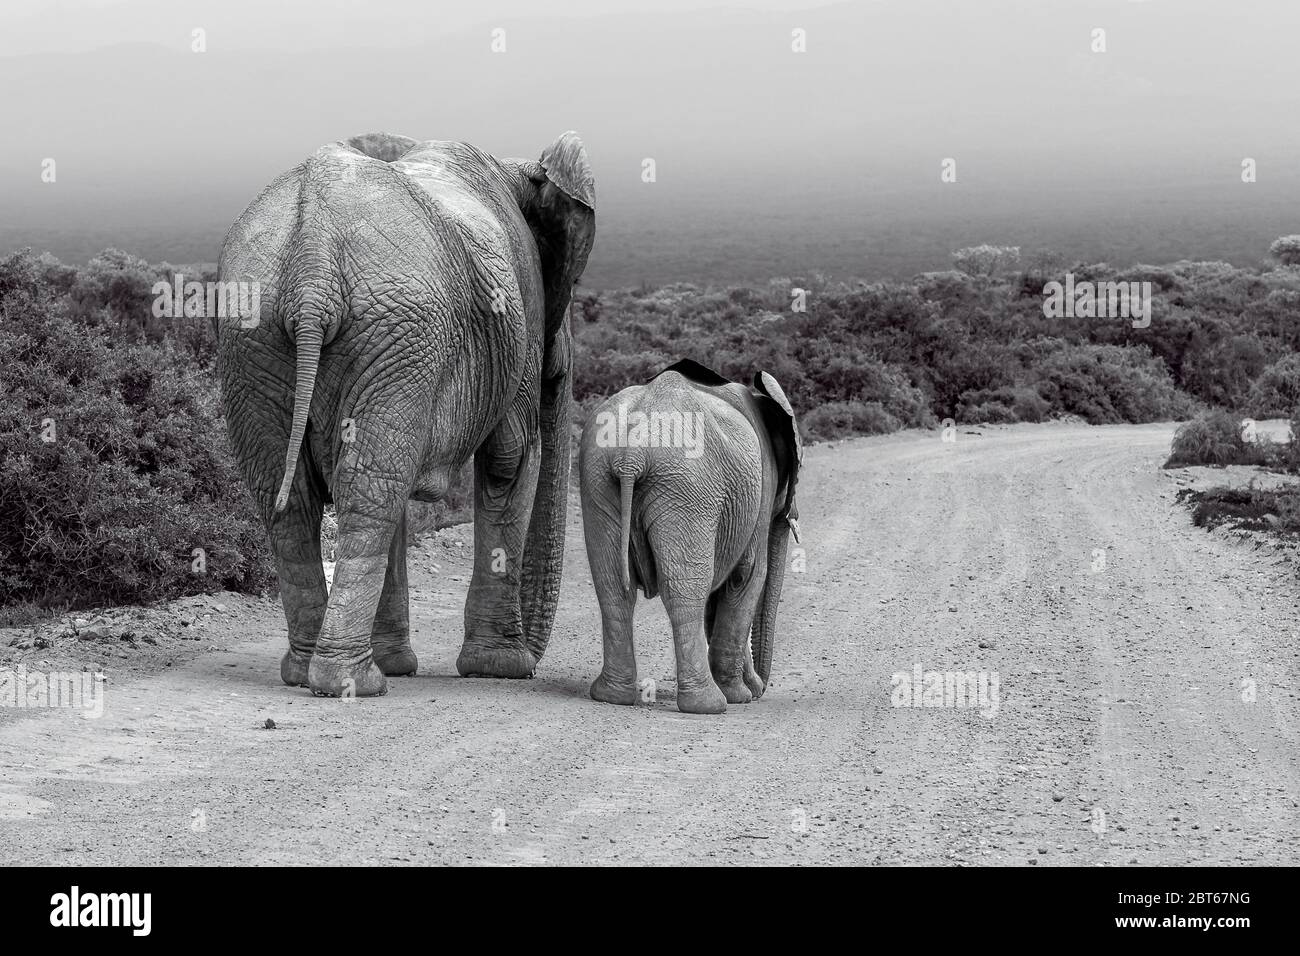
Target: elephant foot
[396,661]
[509,662]
[701,700]
[609,693]
[293,668]
[736,691]
[328,678]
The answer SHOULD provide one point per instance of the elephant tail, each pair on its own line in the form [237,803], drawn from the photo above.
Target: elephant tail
[308,341]
[626,482]
[312,305]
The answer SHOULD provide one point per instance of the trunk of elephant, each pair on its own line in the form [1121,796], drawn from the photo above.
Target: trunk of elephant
[544,549]
[563,223]
[764,634]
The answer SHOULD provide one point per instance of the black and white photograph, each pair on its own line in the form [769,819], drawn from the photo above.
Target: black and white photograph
[651,433]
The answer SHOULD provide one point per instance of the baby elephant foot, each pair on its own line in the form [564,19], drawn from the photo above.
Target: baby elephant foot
[293,668]
[396,660]
[736,691]
[701,700]
[328,678]
[476,660]
[610,692]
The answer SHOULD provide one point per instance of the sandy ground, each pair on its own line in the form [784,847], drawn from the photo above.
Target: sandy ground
[1123,640]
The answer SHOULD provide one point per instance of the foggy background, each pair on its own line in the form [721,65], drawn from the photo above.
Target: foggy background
[769,163]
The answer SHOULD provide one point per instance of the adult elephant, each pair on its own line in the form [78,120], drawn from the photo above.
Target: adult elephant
[414,300]
[688,490]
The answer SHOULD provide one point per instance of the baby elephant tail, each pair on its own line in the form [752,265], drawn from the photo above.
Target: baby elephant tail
[628,469]
[626,482]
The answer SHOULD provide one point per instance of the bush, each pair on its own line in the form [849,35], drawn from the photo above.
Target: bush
[1002,405]
[1285,456]
[1276,393]
[986,260]
[1225,373]
[1109,384]
[1286,250]
[1214,439]
[114,464]
[1275,510]
[845,419]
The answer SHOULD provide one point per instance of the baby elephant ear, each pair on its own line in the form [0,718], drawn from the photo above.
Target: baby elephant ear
[566,165]
[779,416]
[770,387]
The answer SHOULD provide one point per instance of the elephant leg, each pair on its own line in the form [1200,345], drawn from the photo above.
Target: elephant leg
[344,664]
[697,693]
[371,506]
[617,682]
[729,656]
[295,542]
[506,469]
[391,639]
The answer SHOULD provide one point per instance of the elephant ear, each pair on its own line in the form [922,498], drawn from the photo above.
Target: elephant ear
[778,415]
[565,164]
[561,212]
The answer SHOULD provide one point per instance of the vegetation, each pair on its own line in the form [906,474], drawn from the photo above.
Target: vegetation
[1217,438]
[138,473]
[116,482]
[1286,250]
[1272,510]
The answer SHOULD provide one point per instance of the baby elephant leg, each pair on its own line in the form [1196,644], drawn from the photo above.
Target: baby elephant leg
[697,693]
[729,655]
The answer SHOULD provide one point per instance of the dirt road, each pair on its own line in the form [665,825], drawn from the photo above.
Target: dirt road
[1051,558]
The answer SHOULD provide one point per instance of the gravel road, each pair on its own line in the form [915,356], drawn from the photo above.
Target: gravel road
[1052,559]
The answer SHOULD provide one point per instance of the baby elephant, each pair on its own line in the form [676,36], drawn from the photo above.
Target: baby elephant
[688,491]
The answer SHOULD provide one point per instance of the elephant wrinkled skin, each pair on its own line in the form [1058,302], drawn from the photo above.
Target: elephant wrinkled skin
[414,314]
[688,491]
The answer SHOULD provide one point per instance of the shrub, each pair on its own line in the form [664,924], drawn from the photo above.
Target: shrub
[1214,439]
[1286,250]
[114,465]
[1161,279]
[1276,393]
[845,419]
[1225,373]
[1275,510]
[1285,456]
[1106,384]
[986,260]
[1007,404]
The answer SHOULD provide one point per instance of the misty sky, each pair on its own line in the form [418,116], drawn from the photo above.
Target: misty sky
[768,162]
